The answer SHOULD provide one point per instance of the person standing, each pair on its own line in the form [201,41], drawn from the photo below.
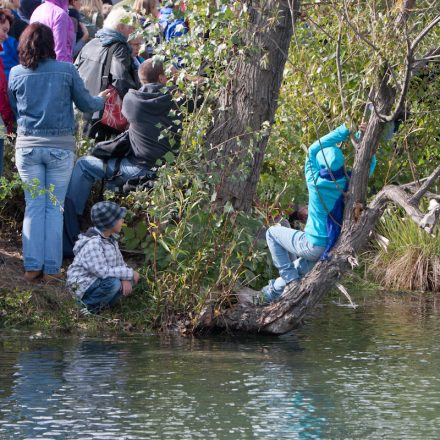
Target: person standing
[53,13]
[45,146]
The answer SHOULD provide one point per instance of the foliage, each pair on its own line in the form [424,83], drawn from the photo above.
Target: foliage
[411,260]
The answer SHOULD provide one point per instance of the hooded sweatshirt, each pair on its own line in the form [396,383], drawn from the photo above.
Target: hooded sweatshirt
[53,13]
[325,154]
[96,257]
[148,112]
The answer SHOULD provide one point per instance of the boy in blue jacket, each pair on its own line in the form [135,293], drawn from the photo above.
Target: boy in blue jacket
[294,252]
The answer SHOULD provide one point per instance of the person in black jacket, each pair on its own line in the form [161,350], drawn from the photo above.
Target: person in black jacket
[148,111]
[91,61]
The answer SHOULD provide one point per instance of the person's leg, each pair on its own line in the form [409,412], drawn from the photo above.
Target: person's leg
[103,293]
[87,170]
[32,170]
[307,254]
[59,164]
[127,170]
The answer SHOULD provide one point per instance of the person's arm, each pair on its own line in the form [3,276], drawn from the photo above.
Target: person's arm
[373,165]
[82,97]
[61,36]
[122,72]
[336,136]
[94,261]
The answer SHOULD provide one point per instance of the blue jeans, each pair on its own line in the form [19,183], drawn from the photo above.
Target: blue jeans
[103,293]
[292,255]
[2,143]
[43,218]
[89,169]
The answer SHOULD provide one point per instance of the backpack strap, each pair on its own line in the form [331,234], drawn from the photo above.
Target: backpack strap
[106,76]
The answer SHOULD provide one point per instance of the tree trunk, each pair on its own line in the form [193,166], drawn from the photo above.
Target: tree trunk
[246,107]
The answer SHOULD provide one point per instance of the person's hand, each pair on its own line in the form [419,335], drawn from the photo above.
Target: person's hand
[105,94]
[135,277]
[126,287]
[363,126]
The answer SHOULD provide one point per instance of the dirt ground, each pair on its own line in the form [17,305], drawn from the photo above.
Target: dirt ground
[11,270]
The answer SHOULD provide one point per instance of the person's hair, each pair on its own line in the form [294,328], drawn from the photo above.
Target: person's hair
[89,7]
[36,45]
[6,15]
[150,70]
[145,6]
[5,4]
[116,17]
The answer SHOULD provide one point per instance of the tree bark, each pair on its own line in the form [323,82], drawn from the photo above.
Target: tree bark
[246,107]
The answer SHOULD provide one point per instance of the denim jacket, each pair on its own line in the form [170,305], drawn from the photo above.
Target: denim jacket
[42,98]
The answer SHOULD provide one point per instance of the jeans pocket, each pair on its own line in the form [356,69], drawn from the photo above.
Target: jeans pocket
[25,151]
[59,154]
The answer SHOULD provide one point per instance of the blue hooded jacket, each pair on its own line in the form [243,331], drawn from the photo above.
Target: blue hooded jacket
[325,154]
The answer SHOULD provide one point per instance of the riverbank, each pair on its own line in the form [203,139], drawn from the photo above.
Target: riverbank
[49,306]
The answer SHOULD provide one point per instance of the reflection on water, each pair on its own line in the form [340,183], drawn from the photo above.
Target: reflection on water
[368,373]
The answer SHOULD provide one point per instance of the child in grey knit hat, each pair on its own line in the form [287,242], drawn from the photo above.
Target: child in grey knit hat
[98,275]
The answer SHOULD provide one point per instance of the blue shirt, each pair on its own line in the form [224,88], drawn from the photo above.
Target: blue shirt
[42,99]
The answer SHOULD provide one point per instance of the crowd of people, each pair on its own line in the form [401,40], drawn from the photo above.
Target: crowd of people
[78,53]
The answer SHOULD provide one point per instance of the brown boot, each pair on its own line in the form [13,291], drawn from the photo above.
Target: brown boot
[32,275]
[53,277]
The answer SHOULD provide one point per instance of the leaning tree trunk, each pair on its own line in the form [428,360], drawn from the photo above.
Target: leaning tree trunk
[300,297]
[246,106]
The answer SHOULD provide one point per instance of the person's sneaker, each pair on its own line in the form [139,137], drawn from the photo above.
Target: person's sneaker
[84,311]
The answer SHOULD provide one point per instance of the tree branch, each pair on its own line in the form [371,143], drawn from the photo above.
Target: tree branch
[339,68]
[402,18]
[415,199]
[411,47]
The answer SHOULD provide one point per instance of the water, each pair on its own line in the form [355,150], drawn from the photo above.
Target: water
[366,373]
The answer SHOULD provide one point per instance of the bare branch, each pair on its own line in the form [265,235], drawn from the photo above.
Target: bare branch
[409,67]
[424,32]
[415,199]
[339,68]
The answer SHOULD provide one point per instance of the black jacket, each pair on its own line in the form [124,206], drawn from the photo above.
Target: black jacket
[90,64]
[148,112]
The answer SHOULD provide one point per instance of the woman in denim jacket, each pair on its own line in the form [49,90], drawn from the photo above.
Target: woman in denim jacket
[41,92]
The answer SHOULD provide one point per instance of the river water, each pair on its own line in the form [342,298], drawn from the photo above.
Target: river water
[372,373]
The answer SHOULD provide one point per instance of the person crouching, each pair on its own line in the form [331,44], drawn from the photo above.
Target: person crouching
[98,275]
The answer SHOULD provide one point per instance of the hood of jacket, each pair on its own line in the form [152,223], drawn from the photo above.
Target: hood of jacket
[331,157]
[27,7]
[110,36]
[152,99]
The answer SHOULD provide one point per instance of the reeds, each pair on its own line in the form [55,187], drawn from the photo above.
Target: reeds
[411,260]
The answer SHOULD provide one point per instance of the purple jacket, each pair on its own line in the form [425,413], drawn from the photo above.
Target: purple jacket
[53,13]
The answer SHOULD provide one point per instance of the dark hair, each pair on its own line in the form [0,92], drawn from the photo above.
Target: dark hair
[150,70]
[36,45]
[6,15]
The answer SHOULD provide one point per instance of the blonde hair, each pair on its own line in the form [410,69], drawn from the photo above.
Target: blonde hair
[145,6]
[116,17]
[89,7]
